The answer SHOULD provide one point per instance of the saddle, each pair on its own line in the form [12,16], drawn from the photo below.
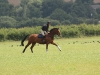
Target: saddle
[40,36]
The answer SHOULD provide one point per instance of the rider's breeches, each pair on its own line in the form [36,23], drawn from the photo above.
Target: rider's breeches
[43,32]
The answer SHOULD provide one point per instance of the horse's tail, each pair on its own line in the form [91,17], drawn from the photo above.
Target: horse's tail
[22,42]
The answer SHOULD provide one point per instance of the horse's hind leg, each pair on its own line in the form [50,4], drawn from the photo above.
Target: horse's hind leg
[26,46]
[33,44]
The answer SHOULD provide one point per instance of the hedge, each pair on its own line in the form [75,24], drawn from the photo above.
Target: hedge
[67,31]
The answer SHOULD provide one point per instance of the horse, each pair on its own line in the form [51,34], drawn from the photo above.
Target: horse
[49,39]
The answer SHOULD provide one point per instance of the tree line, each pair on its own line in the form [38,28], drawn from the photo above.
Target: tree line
[37,12]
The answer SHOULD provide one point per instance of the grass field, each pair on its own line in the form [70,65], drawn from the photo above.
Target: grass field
[79,56]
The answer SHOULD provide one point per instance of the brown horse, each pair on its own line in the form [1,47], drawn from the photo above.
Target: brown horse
[33,39]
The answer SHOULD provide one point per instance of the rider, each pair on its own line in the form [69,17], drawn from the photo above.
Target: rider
[44,30]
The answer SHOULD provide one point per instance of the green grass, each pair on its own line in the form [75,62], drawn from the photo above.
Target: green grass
[79,56]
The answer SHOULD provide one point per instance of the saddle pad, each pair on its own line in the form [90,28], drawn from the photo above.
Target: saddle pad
[40,36]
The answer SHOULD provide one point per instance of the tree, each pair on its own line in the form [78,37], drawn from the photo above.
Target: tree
[34,9]
[24,4]
[58,14]
[6,9]
[48,6]
[82,10]
[84,1]
[3,1]
[6,21]
[98,11]
[79,10]
[67,6]
[19,12]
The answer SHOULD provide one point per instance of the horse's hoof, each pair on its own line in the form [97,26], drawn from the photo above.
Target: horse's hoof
[32,51]
[23,51]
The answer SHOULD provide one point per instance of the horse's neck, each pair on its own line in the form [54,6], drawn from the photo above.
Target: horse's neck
[51,35]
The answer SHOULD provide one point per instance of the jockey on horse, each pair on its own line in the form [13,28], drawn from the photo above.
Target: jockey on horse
[36,38]
[44,30]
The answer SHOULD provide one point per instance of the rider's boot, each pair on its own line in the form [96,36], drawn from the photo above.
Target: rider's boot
[43,39]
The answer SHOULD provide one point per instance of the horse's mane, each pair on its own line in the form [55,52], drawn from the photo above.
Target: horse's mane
[53,29]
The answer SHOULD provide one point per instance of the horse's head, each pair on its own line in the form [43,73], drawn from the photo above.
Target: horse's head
[55,31]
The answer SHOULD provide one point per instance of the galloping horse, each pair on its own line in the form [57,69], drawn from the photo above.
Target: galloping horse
[33,39]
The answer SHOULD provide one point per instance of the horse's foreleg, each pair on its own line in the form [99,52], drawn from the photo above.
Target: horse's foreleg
[26,47]
[33,44]
[46,47]
[56,45]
